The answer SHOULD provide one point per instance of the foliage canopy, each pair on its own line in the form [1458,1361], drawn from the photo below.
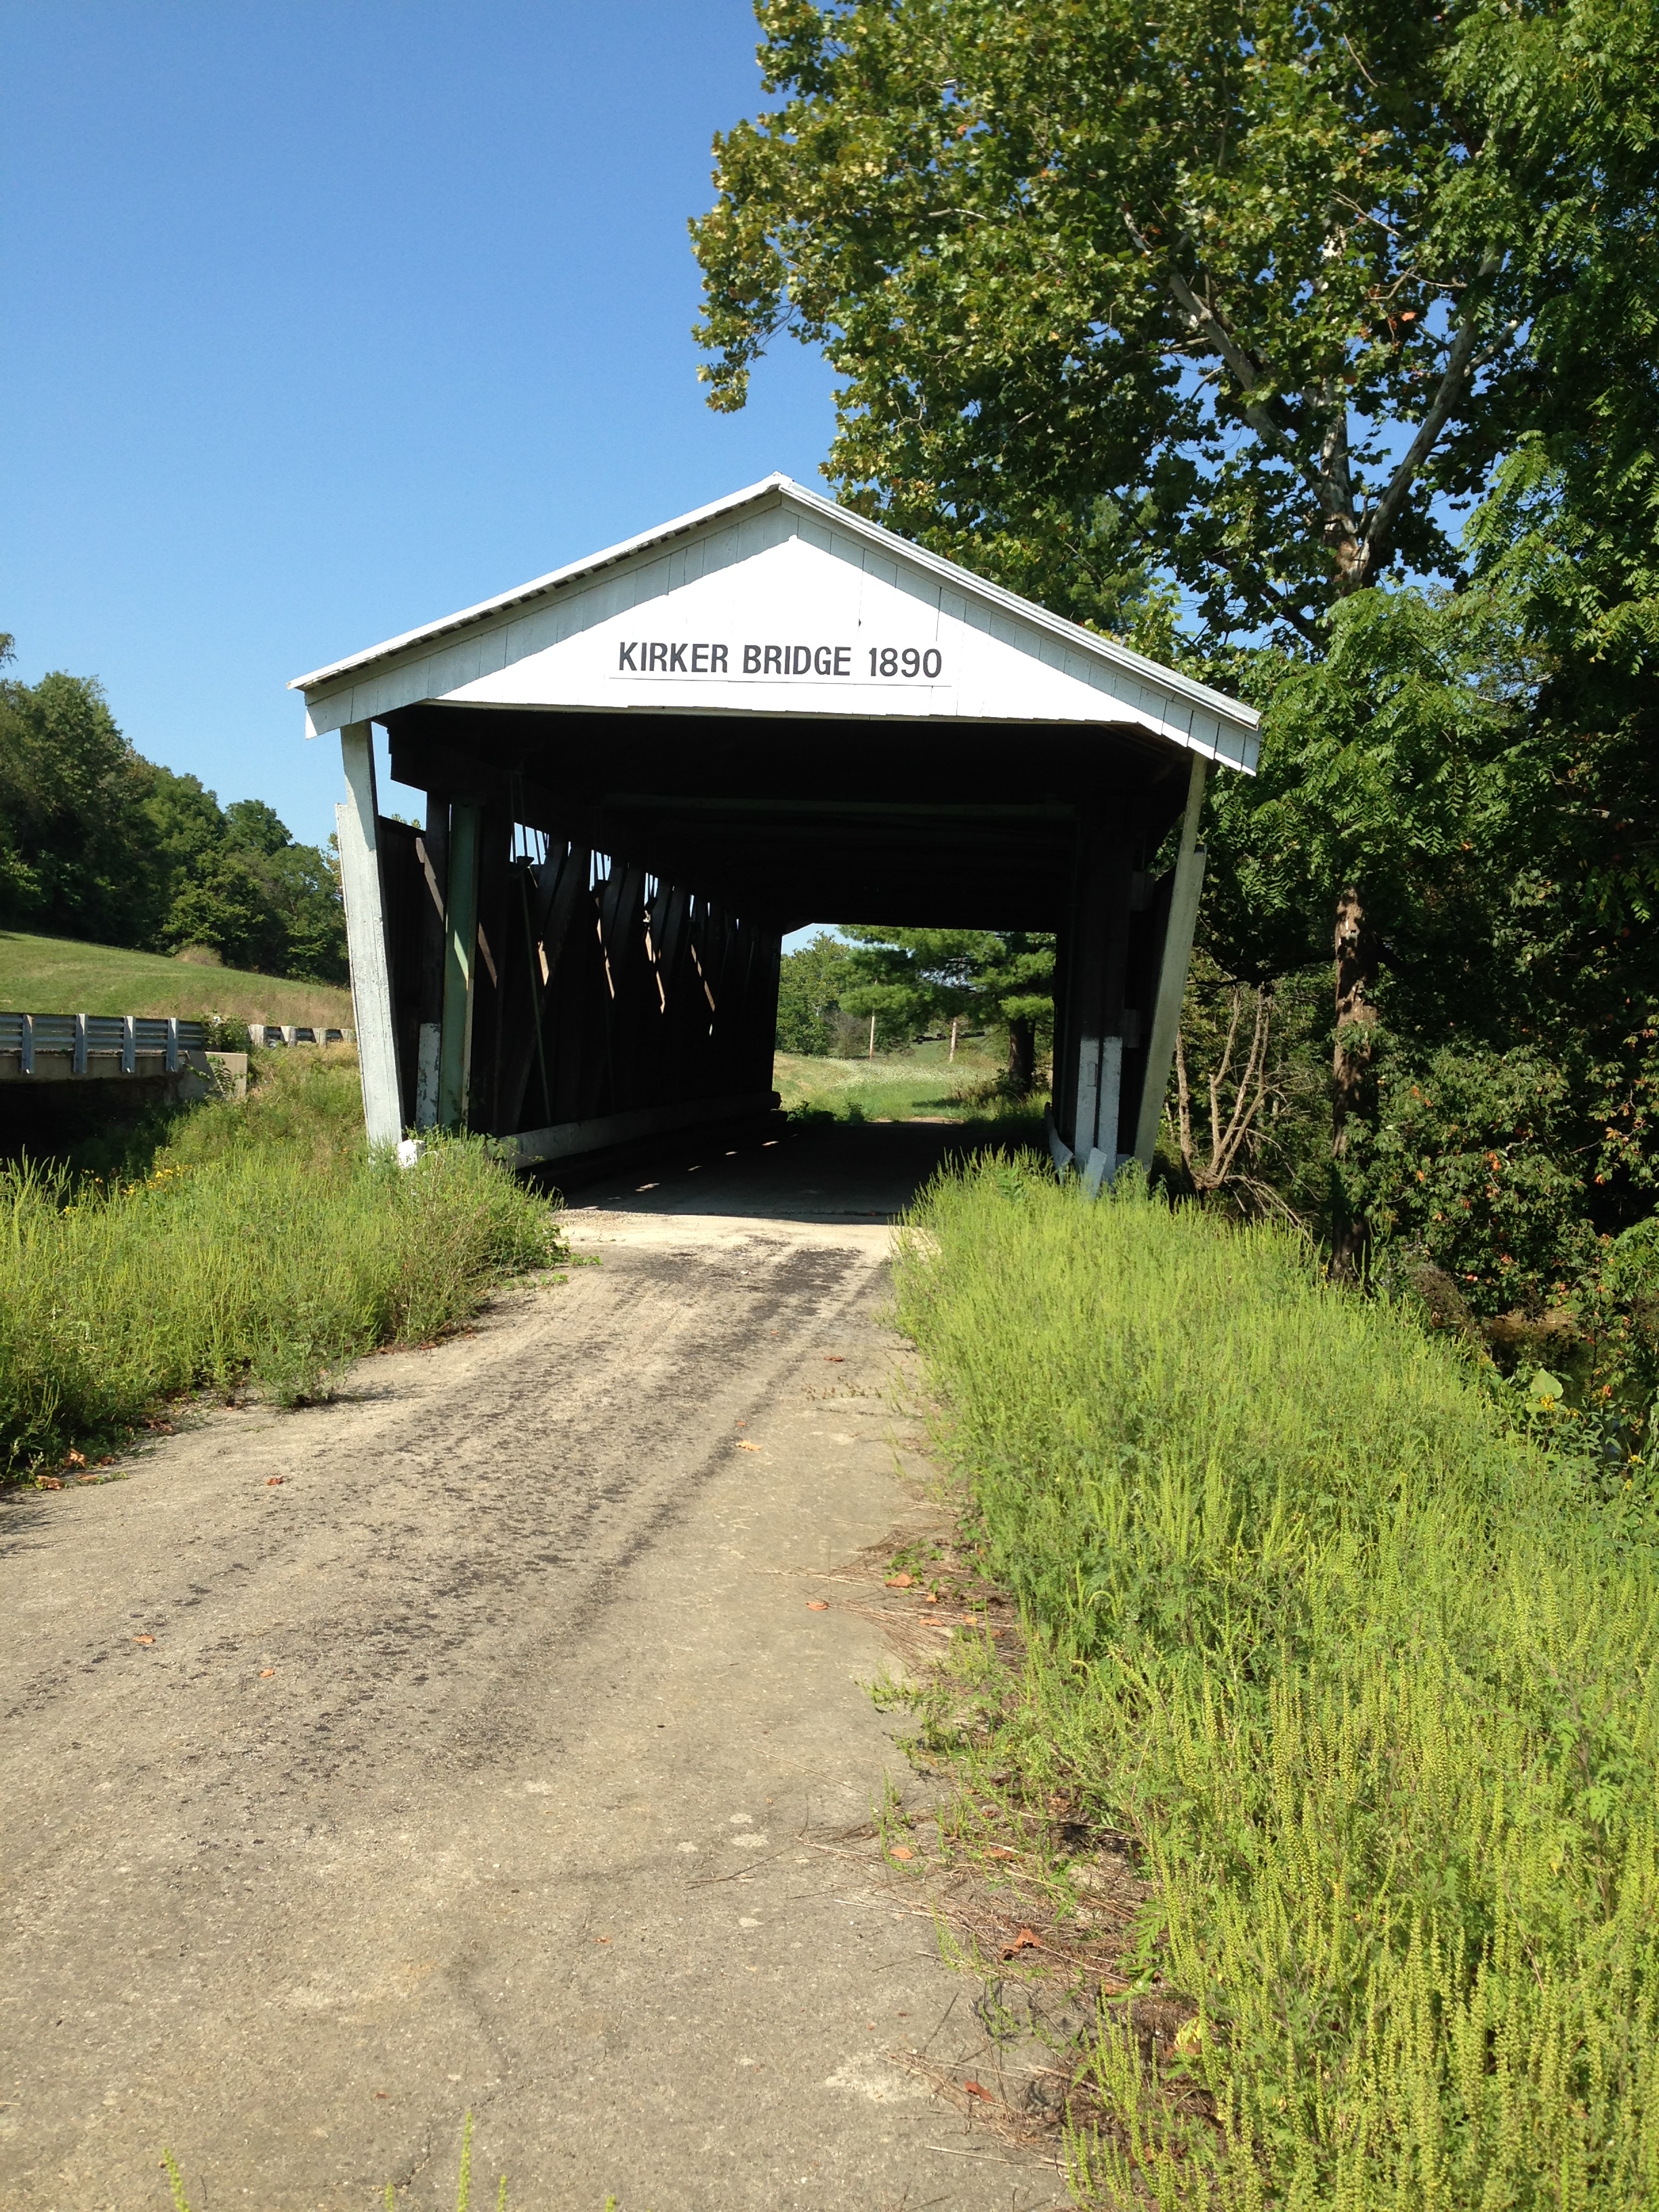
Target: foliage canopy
[1271,281]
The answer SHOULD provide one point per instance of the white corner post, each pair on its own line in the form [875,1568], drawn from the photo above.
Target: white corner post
[1172,970]
[357,820]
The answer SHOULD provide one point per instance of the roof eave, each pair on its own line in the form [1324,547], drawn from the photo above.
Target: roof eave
[556,578]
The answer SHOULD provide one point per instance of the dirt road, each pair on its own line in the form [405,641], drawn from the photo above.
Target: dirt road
[479,1761]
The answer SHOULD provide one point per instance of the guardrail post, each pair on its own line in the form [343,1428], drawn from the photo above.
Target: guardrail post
[80,1063]
[173,1044]
[27,1021]
[129,1044]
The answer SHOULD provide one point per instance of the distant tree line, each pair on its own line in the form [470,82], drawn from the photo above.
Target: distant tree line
[97,842]
[912,982]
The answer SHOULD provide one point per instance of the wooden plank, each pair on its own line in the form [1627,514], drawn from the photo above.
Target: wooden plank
[460,962]
[406,904]
[527,1046]
[547,906]
[564,901]
[499,950]
[357,823]
[432,855]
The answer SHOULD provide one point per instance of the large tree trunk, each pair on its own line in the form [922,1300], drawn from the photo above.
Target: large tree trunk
[1353,1075]
[1022,1054]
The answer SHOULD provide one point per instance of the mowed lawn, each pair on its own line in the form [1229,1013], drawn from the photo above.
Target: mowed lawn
[60,975]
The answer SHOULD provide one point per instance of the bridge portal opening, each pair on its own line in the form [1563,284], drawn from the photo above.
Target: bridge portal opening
[642,771]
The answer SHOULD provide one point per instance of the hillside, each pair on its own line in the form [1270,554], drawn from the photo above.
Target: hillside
[59,976]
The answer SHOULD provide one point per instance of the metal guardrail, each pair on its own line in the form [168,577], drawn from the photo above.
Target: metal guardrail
[105,1038]
[115,1044]
[271,1034]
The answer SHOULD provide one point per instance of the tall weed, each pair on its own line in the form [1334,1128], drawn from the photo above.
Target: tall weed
[263,1245]
[1367,1663]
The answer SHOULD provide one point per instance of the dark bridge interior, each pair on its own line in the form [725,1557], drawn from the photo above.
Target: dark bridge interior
[626,965]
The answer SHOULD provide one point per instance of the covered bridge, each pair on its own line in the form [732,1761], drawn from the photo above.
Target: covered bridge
[643,770]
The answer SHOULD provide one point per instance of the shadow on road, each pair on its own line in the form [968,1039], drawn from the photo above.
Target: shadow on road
[808,1171]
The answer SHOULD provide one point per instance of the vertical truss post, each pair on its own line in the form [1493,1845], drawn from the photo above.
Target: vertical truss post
[432,851]
[460,960]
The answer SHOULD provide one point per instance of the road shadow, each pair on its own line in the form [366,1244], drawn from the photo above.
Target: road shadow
[809,1170]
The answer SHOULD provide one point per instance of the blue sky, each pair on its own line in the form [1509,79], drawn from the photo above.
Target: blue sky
[325,320]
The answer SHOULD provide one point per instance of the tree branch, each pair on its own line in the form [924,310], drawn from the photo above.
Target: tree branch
[1184,1099]
[1286,609]
[1251,1090]
[1333,454]
[1380,523]
[1218,1079]
[1203,322]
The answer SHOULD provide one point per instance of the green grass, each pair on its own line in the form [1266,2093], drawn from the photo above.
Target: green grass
[261,1245]
[59,976]
[1365,1657]
[917,1084]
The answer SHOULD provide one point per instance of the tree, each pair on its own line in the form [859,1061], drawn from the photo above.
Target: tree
[1495,752]
[74,857]
[1279,281]
[911,978]
[810,984]
[98,842]
[254,827]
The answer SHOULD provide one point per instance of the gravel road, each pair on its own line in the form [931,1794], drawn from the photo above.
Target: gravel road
[469,1742]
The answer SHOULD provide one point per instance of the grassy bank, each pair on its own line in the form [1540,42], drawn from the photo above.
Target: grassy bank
[919,1083]
[59,976]
[260,1244]
[1365,1659]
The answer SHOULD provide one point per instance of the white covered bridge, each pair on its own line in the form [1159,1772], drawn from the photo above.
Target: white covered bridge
[642,771]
